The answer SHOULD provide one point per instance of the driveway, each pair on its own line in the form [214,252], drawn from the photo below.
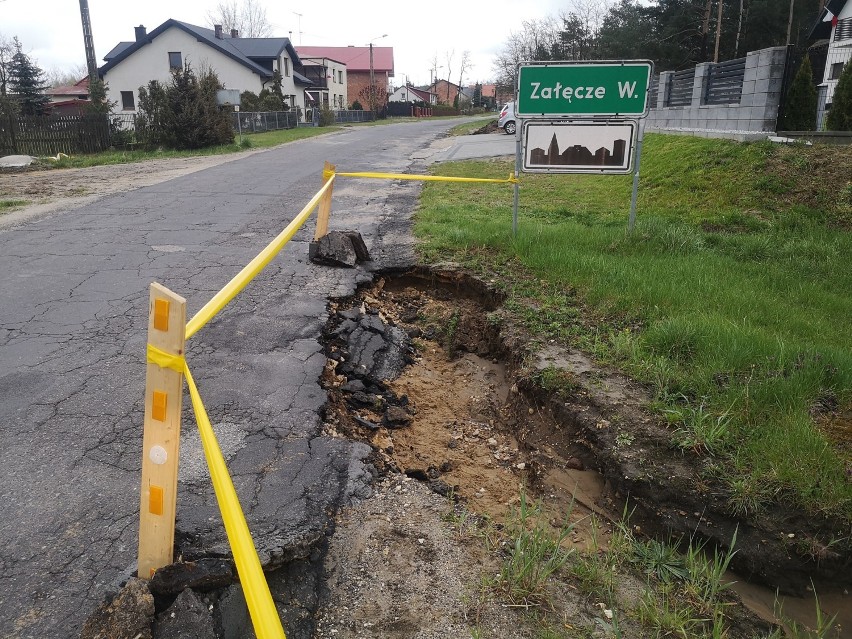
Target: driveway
[73,306]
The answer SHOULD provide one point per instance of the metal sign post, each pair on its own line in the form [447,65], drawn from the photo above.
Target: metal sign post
[635,193]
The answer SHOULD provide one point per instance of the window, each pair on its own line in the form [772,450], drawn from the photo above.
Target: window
[836,70]
[127,102]
[286,67]
[175,61]
[340,76]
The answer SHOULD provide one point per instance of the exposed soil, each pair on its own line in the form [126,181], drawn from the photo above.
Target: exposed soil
[469,418]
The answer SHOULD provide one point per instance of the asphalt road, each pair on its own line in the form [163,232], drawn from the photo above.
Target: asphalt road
[73,306]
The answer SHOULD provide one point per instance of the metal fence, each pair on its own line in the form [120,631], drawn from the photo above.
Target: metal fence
[653,91]
[725,82]
[260,121]
[354,116]
[52,134]
[680,88]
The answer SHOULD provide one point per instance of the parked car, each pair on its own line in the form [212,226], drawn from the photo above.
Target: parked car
[506,121]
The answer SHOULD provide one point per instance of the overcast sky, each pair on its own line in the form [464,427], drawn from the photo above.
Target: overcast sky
[51,31]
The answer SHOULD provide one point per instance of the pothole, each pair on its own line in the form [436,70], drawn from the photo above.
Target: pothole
[425,369]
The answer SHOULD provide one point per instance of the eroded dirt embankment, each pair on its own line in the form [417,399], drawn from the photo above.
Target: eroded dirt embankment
[475,418]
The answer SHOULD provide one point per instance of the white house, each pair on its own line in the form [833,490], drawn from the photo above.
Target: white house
[245,64]
[413,94]
[328,82]
[835,24]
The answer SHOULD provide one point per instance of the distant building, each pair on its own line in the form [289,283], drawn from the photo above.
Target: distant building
[357,62]
[835,26]
[245,64]
[412,94]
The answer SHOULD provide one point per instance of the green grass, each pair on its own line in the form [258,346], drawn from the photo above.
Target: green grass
[8,205]
[730,299]
[250,140]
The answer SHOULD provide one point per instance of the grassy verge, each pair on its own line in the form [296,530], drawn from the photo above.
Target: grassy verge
[619,585]
[250,141]
[731,298]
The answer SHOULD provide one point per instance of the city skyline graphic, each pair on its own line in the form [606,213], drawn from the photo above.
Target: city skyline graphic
[580,146]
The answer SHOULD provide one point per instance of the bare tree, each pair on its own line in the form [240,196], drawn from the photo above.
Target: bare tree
[7,50]
[739,29]
[449,55]
[248,17]
[464,64]
[434,72]
[534,41]
[58,77]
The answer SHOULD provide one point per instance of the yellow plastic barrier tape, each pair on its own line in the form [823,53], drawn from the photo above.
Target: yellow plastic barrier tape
[264,616]
[166,360]
[426,178]
[250,271]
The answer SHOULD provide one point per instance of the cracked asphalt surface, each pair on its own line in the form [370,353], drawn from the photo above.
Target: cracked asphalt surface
[73,305]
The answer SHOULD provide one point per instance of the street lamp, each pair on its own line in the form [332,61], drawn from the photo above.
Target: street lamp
[372,77]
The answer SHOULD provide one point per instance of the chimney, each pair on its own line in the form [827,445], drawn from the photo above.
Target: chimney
[141,32]
[235,33]
[217,28]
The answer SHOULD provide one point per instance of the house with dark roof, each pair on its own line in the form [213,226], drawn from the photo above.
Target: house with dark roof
[834,25]
[357,61]
[245,64]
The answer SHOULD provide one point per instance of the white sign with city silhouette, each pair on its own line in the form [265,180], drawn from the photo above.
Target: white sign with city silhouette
[579,146]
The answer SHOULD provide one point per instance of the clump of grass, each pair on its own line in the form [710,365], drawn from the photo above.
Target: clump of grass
[699,429]
[825,626]
[533,554]
[8,205]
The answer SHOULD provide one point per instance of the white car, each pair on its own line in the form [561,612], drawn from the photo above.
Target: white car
[506,121]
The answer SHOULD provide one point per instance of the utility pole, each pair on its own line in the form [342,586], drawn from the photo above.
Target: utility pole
[88,41]
[372,75]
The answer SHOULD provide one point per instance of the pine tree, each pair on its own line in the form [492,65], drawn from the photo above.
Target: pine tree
[800,111]
[840,115]
[26,80]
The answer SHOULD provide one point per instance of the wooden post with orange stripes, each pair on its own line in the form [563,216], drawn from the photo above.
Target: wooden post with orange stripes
[325,203]
[161,436]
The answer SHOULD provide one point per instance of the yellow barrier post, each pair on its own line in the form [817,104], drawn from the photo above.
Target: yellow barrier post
[161,435]
[325,203]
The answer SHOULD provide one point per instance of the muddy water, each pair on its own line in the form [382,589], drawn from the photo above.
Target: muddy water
[763,602]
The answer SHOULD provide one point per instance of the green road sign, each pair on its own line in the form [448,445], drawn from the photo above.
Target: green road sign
[564,89]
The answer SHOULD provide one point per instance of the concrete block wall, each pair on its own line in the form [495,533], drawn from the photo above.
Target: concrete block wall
[754,116]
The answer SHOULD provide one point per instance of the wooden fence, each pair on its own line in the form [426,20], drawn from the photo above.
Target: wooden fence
[52,134]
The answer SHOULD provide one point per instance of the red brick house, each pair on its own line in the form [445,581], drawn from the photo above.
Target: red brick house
[447,91]
[357,61]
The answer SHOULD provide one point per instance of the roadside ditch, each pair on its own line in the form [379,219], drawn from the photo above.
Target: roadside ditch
[428,370]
